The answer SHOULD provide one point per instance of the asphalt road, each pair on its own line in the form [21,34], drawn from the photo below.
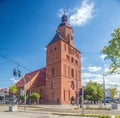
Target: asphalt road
[50,111]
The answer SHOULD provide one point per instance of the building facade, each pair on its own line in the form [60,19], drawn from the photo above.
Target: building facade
[63,69]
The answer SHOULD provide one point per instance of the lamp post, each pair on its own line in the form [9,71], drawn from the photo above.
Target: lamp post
[52,87]
[82,100]
[24,94]
[104,87]
[77,93]
[17,72]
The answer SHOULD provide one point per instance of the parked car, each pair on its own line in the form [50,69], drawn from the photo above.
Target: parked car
[107,100]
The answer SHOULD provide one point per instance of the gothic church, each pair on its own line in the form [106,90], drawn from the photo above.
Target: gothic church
[60,81]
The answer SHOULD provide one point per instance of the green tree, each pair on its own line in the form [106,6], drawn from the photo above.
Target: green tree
[35,97]
[112,51]
[13,89]
[113,92]
[93,91]
[22,97]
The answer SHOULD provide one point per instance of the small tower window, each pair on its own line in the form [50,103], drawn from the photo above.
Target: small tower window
[68,71]
[64,94]
[72,72]
[69,94]
[50,50]
[72,85]
[76,62]
[53,71]
[72,60]
[68,57]
[65,70]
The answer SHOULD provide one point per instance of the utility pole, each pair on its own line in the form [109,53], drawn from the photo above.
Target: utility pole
[17,72]
[82,100]
[24,94]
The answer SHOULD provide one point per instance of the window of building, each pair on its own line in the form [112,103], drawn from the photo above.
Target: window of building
[72,85]
[64,94]
[72,59]
[68,57]
[69,94]
[50,50]
[76,62]
[65,70]
[68,71]
[72,72]
[52,71]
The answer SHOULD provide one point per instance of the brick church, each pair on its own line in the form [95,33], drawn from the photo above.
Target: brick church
[60,80]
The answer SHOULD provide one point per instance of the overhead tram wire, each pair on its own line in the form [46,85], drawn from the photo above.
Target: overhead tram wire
[14,62]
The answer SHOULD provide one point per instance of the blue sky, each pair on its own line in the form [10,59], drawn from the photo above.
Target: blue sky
[27,26]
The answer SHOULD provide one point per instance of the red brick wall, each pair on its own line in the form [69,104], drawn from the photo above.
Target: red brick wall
[62,78]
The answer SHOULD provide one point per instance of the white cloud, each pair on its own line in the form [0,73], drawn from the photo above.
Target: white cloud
[106,69]
[103,56]
[14,80]
[60,12]
[82,14]
[94,68]
[110,80]
[90,75]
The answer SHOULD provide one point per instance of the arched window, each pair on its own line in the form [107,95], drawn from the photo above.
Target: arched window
[72,72]
[52,71]
[64,94]
[72,85]
[68,57]
[72,60]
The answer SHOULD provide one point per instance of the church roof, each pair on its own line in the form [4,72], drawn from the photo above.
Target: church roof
[38,75]
[55,38]
[64,22]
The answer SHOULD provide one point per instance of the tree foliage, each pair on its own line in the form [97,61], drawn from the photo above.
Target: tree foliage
[112,51]
[22,97]
[35,96]
[93,91]
[113,92]
[13,89]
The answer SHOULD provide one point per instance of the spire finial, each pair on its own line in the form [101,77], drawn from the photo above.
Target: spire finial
[64,17]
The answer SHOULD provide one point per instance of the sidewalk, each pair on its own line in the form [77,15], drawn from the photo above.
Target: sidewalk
[57,106]
[5,113]
[51,111]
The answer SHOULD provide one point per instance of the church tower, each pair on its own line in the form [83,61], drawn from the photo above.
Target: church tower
[63,66]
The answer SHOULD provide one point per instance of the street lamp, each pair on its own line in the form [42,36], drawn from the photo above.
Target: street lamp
[82,100]
[24,94]
[104,86]
[52,87]
[77,93]
[17,72]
